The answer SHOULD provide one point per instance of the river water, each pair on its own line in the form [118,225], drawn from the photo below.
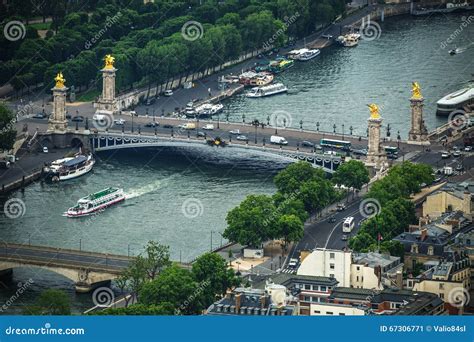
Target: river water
[178,197]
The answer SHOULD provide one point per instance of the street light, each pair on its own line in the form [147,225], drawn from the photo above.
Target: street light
[388,130]
[301,124]
[398,139]
[342,131]
[317,126]
[255,123]
[268,120]
[334,128]
[351,129]
[243,118]
[284,122]
[218,117]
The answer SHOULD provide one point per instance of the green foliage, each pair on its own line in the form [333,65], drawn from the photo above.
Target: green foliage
[51,302]
[352,174]
[289,180]
[290,227]
[139,310]
[7,128]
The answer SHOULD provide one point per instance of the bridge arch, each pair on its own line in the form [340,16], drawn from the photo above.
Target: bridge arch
[76,142]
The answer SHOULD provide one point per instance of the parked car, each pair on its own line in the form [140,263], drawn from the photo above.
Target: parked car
[119,122]
[168,93]
[39,116]
[167,126]
[150,101]
[306,143]
[445,154]
[332,219]
[4,164]
[456,153]
[45,149]
[78,118]
[235,132]
[201,134]
[459,167]
[468,148]
[208,127]
[340,207]
[242,138]
[152,124]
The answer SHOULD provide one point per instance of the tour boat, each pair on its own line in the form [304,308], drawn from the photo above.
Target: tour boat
[349,40]
[207,109]
[69,168]
[262,79]
[307,55]
[269,90]
[456,100]
[281,65]
[95,202]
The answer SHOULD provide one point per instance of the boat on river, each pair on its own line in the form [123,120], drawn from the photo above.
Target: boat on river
[281,65]
[95,202]
[455,101]
[349,40]
[269,90]
[70,168]
[262,79]
[303,54]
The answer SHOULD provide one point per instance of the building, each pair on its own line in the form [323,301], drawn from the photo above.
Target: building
[451,197]
[272,301]
[450,279]
[427,241]
[360,270]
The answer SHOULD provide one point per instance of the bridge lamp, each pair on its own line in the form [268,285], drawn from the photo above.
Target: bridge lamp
[301,124]
[243,118]
[284,122]
[334,128]
[342,131]
[317,126]
[398,139]
[351,129]
[268,120]
[77,125]
[388,130]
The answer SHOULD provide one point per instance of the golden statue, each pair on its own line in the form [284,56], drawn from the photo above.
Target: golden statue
[60,80]
[416,91]
[109,62]
[374,111]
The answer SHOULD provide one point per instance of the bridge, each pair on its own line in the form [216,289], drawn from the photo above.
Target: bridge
[86,269]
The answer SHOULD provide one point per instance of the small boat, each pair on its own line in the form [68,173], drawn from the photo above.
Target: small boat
[262,79]
[349,40]
[207,109]
[95,202]
[456,51]
[307,55]
[269,90]
[281,65]
[69,168]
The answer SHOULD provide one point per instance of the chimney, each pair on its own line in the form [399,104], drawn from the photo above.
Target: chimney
[238,298]
[424,234]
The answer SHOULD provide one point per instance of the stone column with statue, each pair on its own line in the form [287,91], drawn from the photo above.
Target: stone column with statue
[376,156]
[106,102]
[57,121]
[418,133]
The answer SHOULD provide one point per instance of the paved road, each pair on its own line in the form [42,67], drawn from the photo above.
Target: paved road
[53,257]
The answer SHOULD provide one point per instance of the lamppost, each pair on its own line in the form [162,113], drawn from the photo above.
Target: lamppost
[351,129]
[398,139]
[162,112]
[154,120]
[317,126]
[255,123]
[342,131]
[367,131]
[284,122]
[301,124]
[146,111]
[227,117]
[197,125]
[218,117]
[334,128]
[132,122]
[268,120]
[388,130]
[243,118]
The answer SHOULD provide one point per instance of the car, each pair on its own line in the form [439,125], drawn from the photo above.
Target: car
[340,207]
[235,132]
[392,156]
[468,148]
[306,143]
[78,118]
[332,219]
[459,167]
[361,152]
[438,179]
[168,93]
[201,134]
[242,138]
[45,149]
[330,153]
[208,127]
[152,124]
[293,263]
[167,126]
[445,154]
[344,237]
[119,122]
[4,164]
[39,116]
[456,153]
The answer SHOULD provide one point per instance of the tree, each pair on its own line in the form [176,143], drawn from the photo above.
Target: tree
[252,222]
[361,242]
[212,271]
[352,174]
[51,302]
[7,128]
[290,228]
[177,286]
[290,179]
[139,310]
[156,259]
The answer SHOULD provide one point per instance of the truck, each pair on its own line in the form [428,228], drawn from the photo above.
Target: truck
[448,170]
[277,140]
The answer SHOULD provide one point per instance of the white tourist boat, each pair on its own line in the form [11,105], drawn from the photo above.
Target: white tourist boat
[207,109]
[455,100]
[95,202]
[69,168]
[307,55]
[349,40]
[269,90]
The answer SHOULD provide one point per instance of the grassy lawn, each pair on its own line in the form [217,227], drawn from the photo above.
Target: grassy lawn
[40,26]
[88,96]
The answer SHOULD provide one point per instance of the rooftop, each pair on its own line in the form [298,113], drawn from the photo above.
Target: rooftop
[373,259]
[259,282]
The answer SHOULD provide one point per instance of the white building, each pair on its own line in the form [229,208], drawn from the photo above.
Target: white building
[360,270]
[328,263]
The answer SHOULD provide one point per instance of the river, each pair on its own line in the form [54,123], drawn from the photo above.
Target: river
[177,197]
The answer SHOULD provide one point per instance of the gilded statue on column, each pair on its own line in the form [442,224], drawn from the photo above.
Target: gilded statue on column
[374,111]
[109,62]
[416,91]
[60,80]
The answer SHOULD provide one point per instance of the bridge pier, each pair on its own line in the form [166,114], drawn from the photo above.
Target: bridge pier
[85,287]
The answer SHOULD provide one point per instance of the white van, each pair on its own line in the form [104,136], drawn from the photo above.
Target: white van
[188,125]
[275,139]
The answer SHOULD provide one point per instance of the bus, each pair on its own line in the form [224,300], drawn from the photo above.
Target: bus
[392,152]
[343,145]
[348,225]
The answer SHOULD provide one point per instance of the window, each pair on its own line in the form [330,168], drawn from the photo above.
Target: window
[358,268]
[315,288]
[357,278]
[441,295]
[331,255]
[430,250]
[307,287]
[331,276]
[317,312]
[323,288]
[329,313]
[307,298]
[331,266]
[414,248]
[341,314]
